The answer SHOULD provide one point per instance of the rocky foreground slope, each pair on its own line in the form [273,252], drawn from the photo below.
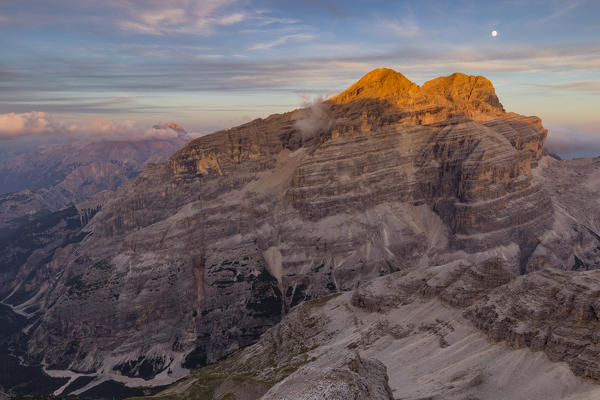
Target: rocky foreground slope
[456,331]
[200,255]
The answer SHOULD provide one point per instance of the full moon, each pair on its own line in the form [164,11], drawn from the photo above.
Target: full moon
[494,33]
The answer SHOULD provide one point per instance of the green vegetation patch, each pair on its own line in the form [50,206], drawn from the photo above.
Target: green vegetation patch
[321,301]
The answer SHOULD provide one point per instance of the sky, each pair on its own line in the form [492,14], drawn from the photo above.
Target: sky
[71,67]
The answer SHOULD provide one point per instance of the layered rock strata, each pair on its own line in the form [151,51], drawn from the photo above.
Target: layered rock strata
[455,331]
[200,255]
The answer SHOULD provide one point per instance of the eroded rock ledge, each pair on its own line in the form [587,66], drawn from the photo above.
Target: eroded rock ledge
[550,310]
[456,331]
[200,255]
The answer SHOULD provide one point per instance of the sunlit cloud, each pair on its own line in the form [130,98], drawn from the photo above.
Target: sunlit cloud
[181,17]
[32,123]
[36,123]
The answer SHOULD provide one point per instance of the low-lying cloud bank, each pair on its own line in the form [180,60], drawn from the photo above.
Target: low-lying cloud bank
[41,124]
[573,141]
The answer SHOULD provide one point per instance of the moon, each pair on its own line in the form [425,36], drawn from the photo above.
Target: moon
[494,33]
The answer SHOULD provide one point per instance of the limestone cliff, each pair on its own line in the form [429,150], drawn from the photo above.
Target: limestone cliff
[455,331]
[198,256]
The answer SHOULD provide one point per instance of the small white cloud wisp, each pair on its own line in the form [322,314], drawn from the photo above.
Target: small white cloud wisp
[315,119]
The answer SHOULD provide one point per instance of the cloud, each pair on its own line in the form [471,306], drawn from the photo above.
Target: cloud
[315,119]
[32,123]
[161,74]
[281,40]
[36,123]
[568,7]
[267,20]
[166,131]
[230,19]
[180,17]
[406,28]
[571,141]
[185,69]
[577,86]
[331,7]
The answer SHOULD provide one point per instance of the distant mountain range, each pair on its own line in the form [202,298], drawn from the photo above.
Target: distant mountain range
[48,179]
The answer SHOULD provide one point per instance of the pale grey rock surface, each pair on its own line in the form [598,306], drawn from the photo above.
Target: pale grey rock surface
[419,332]
[351,377]
[200,255]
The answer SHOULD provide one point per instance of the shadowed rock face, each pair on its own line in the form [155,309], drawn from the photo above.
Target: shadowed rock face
[456,331]
[32,255]
[209,249]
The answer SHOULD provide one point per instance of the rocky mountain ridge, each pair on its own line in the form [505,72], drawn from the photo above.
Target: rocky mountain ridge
[242,194]
[454,331]
[200,255]
[473,96]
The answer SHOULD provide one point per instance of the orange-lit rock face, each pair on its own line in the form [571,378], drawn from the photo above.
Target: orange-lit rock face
[382,84]
[458,94]
[241,225]
[446,142]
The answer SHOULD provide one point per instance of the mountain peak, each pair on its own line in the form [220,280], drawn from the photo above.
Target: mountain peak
[463,91]
[381,83]
[468,93]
